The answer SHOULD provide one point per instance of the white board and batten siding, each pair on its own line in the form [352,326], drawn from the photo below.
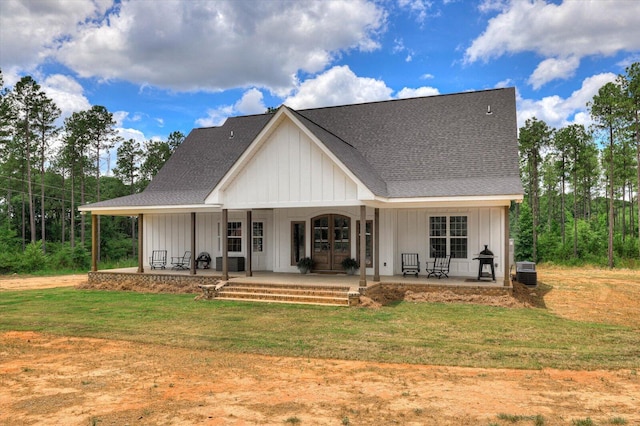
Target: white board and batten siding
[289,170]
[172,232]
[485,225]
[401,231]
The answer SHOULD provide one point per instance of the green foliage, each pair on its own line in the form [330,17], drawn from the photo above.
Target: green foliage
[33,258]
[524,234]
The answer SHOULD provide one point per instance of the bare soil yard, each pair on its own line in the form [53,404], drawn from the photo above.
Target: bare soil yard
[55,380]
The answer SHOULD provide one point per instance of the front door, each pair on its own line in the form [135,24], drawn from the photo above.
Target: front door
[331,241]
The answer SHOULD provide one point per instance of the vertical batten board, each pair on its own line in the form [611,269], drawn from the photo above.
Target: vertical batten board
[206,233]
[288,167]
[295,167]
[339,186]
[497,239]
[327,178]
[388,223]
[484,230]
[283,170]
[305,169]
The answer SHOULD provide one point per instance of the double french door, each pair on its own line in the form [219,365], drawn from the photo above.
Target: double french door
[331,241]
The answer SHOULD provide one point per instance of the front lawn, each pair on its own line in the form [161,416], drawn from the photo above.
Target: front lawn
[420,333]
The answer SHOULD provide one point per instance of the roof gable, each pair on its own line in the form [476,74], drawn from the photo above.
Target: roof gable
[443,146]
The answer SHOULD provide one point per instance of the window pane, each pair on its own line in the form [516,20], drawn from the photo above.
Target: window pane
[458,225]
[368,241]
[458,248]
[438,226]
[437,247]
[258,232]
[234,236]
[297,242]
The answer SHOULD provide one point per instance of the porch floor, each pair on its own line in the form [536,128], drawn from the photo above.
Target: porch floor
[318,279]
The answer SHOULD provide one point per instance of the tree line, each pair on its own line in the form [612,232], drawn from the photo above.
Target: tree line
[48,169]
[581,184]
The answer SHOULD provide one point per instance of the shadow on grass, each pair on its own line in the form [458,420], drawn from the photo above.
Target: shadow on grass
[531,296]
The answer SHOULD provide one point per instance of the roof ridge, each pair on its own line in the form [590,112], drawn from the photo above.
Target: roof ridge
[439,95]
[320,126]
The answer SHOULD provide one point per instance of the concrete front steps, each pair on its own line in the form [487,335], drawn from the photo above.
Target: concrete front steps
[287,293]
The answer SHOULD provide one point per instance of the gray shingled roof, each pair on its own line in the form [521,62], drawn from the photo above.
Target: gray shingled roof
[434,146]
[438,146]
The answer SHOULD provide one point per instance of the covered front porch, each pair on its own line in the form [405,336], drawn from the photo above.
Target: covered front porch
[291,286]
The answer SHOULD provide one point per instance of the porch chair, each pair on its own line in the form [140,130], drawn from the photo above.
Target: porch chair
[410,264]
[158,259]
[181,262]
[440,267]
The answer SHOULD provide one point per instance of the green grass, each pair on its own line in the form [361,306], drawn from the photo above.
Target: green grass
[441,334]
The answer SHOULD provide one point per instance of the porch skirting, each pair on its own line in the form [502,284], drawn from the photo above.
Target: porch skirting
[400,288]
[101,277]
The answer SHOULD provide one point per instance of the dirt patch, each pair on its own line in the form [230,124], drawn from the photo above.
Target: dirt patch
[15,282]
[154,287]
[59,380]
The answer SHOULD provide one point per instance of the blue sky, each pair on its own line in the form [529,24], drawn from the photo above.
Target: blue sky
[167,65]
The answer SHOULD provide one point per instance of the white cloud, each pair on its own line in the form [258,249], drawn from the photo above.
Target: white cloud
[487,6]
[67,94]
[251,102]
[119,117]
[551,69]
[338,86]
[207,45]
[566,33]
[32,30]
[129,133]
[414,93]
[215,116]
[503,83]
[418,7]
[427,76]
[558,112]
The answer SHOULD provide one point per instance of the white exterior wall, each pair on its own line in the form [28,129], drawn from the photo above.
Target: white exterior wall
[401,231]
[485,225]
[289,170]
[172,232]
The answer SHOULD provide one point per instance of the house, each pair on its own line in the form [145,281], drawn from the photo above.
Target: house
[432,175]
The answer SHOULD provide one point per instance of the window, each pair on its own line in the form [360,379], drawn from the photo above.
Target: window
[297,242]
[458,240]
[234,236]
[258,237]
[455,238]
[369,243]
[219,239]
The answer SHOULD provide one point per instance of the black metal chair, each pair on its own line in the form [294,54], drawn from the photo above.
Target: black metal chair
[410,264]
[158,259]
[440,267]
[181,262]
